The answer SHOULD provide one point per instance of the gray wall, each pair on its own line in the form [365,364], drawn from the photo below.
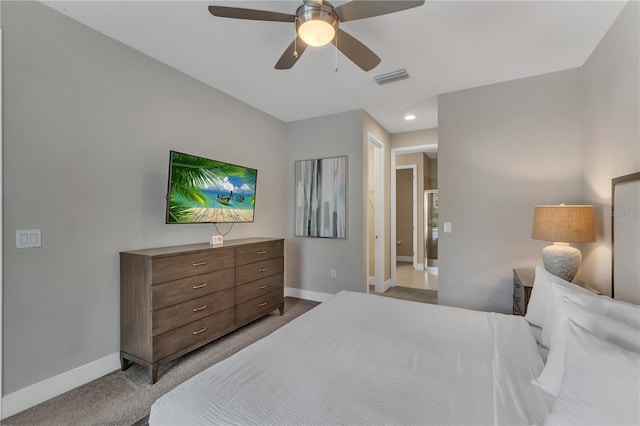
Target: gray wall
[88,125]
[611,131]
[309,260]
[502,149]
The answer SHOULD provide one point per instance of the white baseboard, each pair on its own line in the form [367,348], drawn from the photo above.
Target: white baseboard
[299,293]
[33,395]
[404,259]
[420,267]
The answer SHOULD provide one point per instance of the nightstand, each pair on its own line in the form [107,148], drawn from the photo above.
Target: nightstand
[522,286]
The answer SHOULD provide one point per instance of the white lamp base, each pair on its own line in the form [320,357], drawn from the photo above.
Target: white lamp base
[562,260]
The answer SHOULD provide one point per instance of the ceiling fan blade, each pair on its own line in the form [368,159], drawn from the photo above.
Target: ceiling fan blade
[353,49]
[288,59]
[361,9]
[254,14]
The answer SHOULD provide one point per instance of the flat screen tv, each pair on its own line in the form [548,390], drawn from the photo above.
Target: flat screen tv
[201,190]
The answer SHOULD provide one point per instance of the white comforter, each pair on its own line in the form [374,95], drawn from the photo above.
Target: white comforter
[365,359]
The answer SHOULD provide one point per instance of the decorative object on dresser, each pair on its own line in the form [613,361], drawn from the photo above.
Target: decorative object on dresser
[176,299]
[563,224]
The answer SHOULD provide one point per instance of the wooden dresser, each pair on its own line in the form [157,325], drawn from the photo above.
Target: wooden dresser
[176,299]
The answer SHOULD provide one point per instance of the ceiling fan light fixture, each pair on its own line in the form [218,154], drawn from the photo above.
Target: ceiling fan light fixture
[316,32]
[316,25]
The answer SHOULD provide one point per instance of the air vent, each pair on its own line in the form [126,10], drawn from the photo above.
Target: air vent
[390,77]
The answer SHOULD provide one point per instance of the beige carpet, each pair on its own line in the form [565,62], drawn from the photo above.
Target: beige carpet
[125,397]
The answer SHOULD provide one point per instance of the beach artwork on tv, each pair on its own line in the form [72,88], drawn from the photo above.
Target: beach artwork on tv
[209,191]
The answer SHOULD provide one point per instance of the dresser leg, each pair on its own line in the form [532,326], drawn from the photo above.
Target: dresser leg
[153,372]
[282,309]
[124,363]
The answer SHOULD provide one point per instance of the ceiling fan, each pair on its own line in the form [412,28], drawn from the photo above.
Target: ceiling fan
[317,23]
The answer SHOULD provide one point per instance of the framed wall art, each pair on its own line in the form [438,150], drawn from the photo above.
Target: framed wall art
[321,198]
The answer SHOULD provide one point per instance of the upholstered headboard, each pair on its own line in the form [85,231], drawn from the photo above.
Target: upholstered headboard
[625,238]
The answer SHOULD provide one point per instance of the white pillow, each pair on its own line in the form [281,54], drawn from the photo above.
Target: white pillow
[600,385]
[603,327]
[541,297]
[602,305]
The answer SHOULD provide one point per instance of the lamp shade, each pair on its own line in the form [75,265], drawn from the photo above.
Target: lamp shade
[564,223]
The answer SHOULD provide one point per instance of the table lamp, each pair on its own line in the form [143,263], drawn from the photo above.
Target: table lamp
[563,224]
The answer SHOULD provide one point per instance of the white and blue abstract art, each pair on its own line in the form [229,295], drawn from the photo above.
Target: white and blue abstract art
[321,198]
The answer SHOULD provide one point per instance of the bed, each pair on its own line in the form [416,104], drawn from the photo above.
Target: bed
[366,359]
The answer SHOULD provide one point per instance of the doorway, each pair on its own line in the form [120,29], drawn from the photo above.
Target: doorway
[430,200]
[431,228]
[419,272]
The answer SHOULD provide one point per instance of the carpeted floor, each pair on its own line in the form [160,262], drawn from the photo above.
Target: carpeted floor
[125,397]
[406,293]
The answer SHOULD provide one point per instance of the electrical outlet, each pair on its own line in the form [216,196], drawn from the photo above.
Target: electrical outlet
[332,273]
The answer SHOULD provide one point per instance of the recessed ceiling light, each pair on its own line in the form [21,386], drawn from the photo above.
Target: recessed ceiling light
[409,117]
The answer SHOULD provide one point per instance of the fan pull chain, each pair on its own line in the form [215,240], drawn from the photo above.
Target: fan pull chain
[336,53]
[295,42]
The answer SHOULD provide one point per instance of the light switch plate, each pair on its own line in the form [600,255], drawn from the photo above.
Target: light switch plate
[28,238]
[447,227]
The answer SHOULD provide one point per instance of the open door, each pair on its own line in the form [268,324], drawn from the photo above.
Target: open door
[375,215]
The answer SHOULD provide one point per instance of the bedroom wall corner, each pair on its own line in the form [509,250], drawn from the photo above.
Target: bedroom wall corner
[502,149]
[309,260]
[611,132]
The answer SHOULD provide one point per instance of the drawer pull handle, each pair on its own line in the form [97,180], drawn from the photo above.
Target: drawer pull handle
[262,252]
[195,287]
[262,287]
[199,331]
[199,264]
[262,304]
[199,309]
[262,269]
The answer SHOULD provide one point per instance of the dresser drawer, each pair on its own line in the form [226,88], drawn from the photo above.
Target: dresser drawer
[258,306]
[174,292]
[171,268]
[177,315]
[257,252]
[195,333]
[259,288]
[255,271]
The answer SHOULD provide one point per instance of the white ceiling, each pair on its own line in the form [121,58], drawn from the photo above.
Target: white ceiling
[444,46]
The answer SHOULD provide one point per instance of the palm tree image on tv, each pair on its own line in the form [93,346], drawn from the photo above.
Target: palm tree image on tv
[205,191]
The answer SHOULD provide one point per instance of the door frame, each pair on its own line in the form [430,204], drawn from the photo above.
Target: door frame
[394,153]
[414,210]
[379,215]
